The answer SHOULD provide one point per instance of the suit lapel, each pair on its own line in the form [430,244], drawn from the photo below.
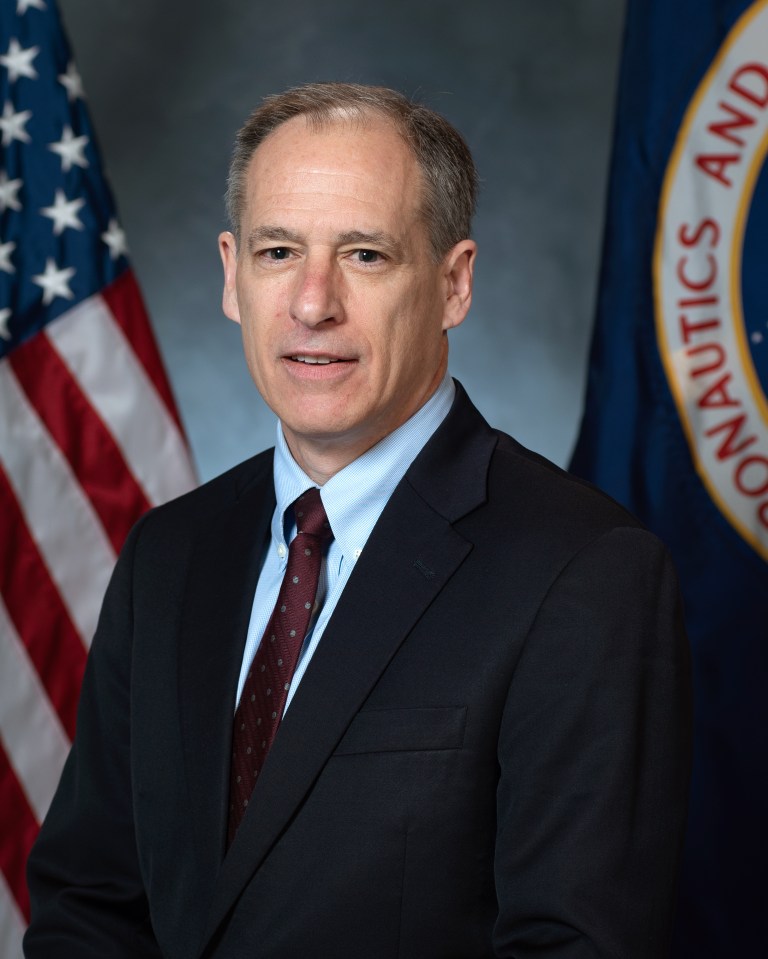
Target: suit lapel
[414,550]
[220,588]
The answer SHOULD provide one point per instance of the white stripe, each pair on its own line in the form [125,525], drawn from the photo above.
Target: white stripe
[57,512]
[33,736]
[98,355]
[11,923]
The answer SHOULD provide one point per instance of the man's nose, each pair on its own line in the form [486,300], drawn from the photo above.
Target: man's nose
[316,295]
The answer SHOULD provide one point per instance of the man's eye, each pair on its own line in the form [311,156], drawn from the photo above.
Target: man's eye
[368,256]
[278,253]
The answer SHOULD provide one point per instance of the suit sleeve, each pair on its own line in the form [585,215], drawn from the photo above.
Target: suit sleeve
[594,754]
[84,878]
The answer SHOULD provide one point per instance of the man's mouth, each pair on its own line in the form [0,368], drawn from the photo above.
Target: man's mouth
[319,360]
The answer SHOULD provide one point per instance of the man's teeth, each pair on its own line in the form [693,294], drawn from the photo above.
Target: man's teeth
[313,359]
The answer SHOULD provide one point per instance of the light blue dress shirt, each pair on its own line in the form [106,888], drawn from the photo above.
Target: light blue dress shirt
[353,499]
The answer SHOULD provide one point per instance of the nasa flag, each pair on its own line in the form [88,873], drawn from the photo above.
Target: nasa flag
[676,417]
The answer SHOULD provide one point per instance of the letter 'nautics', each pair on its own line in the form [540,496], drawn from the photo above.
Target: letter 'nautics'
[712,335]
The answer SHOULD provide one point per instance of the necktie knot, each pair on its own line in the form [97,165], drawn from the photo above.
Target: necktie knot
[309,512]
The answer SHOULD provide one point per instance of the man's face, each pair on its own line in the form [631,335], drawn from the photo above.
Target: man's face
[343,309]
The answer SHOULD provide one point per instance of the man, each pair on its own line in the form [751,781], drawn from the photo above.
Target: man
[482,746]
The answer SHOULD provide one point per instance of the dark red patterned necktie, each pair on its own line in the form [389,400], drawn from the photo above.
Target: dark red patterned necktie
[266,687]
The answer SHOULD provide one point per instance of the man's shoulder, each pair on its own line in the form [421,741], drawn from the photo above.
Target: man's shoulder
[544,504]
[188,513]
[540,482]
[473,473]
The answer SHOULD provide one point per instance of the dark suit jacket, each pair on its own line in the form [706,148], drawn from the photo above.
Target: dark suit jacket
[488,755]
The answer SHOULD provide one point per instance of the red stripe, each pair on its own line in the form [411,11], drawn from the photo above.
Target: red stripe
[19,831]
[76,427]
[123,298]
[38,612]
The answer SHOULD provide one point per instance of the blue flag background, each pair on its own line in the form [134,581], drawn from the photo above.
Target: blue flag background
[676,418]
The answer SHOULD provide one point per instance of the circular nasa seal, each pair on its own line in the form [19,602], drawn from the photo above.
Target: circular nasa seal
[710,262]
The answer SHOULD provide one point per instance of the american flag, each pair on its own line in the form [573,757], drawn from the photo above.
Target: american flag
[89,434]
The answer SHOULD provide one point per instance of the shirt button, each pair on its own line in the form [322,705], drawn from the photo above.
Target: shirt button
[281,551]
[358,553]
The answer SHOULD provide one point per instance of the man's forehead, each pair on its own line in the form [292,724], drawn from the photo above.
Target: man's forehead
[327,166]
[364,136]
[340,122]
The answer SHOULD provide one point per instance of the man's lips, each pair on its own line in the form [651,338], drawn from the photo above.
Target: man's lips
[318,359]
[321,360]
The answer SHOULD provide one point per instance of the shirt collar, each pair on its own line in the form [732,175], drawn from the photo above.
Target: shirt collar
[355,497]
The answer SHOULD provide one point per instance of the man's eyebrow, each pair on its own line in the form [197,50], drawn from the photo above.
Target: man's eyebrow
[280,234]
[271,234]
[378,238]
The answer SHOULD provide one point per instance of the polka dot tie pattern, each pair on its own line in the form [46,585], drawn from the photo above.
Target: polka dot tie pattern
[266,687]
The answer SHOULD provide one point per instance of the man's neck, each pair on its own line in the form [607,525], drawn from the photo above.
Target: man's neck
[322,457]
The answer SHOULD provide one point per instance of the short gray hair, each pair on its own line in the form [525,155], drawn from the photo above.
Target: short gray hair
[450,177]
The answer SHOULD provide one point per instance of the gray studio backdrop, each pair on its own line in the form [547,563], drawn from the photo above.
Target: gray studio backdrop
[530,83]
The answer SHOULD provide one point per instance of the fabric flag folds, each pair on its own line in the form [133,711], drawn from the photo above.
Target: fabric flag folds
[89,434]
[676,417]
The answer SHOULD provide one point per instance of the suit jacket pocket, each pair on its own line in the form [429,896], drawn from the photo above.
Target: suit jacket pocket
[404,730]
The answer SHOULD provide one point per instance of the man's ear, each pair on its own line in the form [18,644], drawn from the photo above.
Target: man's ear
[228,251]
[458,267]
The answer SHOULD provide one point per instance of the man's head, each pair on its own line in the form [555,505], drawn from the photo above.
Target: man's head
[449,176]
[336,278]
